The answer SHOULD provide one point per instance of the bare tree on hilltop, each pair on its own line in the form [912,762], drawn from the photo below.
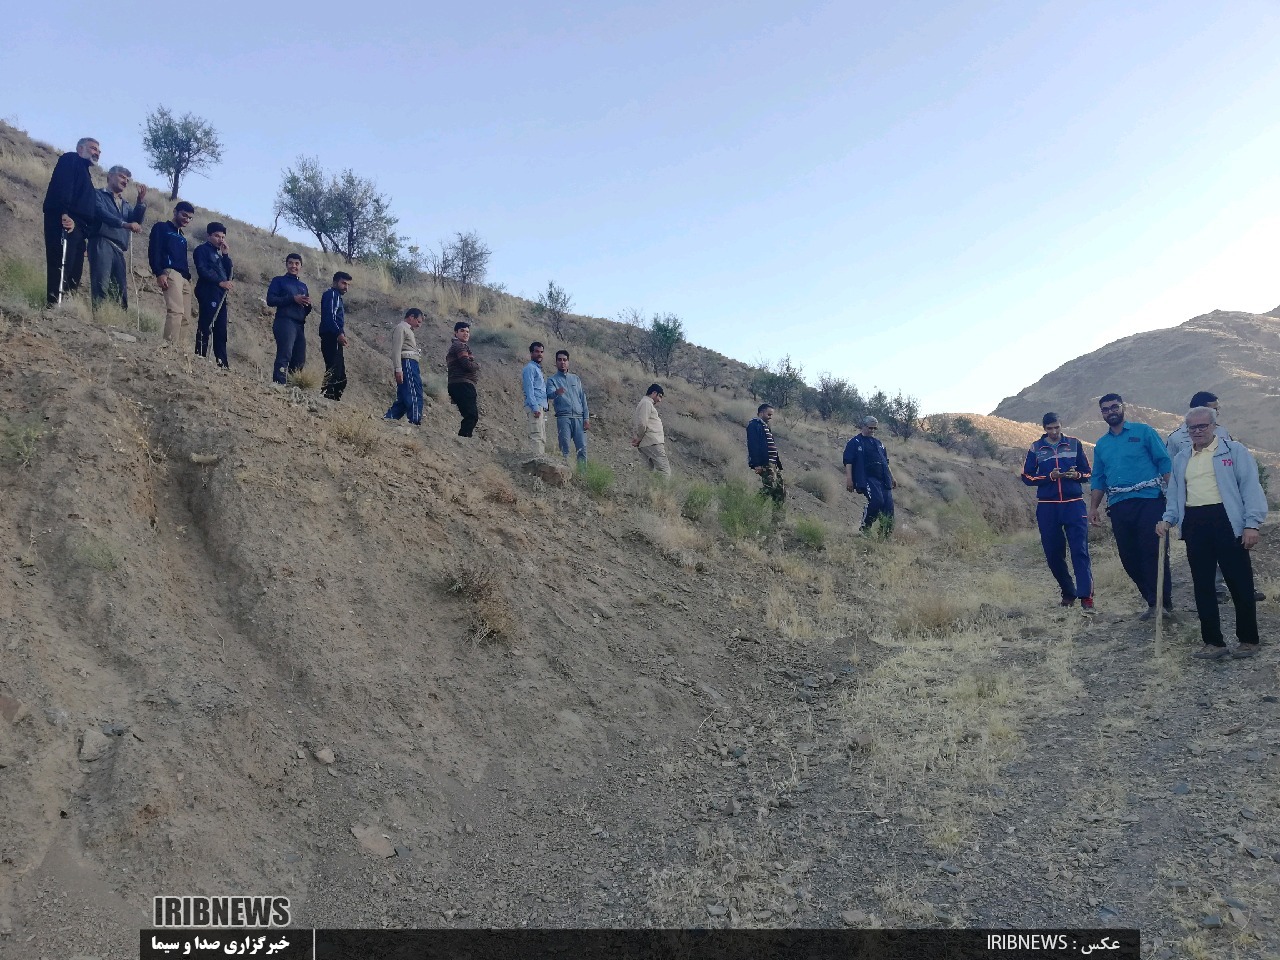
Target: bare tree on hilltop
[463,261]
[553,306]
[177,146]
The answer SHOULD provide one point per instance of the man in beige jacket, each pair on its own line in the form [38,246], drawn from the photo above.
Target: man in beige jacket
[646,431]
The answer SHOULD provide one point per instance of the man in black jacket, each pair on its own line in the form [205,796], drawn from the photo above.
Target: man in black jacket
[289,295]
[213,284]
[167,256]
[68,214]
[115,221]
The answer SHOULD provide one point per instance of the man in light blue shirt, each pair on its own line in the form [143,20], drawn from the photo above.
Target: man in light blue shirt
[1131,468]
[573,418]
[535,399]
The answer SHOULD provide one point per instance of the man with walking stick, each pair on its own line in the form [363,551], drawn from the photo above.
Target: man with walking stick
[110,236]
[69,210]
[213,284]
[1130,468]
[1216,498]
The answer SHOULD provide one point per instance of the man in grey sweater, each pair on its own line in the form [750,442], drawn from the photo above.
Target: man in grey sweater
[115,220]
[569,398]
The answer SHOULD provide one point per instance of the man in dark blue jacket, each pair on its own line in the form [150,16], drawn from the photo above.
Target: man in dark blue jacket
[167,255]
[1055,466]
[115,221]
[764,459]
[69,211]
[333,336]
[289,295]
[214,271]
[866,470]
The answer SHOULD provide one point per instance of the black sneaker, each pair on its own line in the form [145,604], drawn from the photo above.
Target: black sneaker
[1067,601]
[1259,595]
[1147,614]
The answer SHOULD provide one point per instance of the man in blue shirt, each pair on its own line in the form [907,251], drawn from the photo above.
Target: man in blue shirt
[289,295]
[866,470]
[1131,468]
[535,399]
[1055,466]
[333,336]
[573,417]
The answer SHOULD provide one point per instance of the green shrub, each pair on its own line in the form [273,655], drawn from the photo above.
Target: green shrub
[21,439]
[597,478]
[812,533]
[23,281]
[697,501]
[743,512]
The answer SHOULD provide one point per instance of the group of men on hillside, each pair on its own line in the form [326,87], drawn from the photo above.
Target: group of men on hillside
[1198,480]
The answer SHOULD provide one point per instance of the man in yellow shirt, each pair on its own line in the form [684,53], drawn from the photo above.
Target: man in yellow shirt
[1216,498]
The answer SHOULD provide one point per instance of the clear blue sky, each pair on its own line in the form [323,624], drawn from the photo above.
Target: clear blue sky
[947,198]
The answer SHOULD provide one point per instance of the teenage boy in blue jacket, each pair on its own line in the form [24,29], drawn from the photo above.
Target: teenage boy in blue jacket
[1055,465]
[289,295]
[214,271]
[333,336]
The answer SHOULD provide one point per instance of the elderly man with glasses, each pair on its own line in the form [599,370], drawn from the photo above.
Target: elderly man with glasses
[1216,498]
[1130,468]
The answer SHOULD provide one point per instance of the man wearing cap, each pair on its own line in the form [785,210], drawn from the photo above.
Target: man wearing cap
[764,459]
[213,286]
[167,255]
[69,210]
[646,431]
[1216,498]
[1131,468]
[1055,466]
[866,470]
[115,222]
[292,300]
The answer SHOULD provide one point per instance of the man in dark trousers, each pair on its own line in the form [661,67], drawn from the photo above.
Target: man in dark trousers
[69,211]
[167,255]
[333,336]
[214,271]
[1131,468]
[866,470]
[289,295]
[1216,498]
[115,222]
[464,376]
[763,458]
[1055,466]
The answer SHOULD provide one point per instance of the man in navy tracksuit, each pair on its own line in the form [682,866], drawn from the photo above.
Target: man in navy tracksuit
[214,271]
[69,210]
[289,295]
[333,336]
[866,470]
[1055,465]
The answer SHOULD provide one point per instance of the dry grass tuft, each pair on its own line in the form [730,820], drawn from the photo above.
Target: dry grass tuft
[674,539]
[497,485]
[930,613]
[304,379]
[358,431]
[494,616]
[822,485]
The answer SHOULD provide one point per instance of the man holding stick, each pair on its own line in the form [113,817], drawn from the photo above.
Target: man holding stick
[214,283]
[69,210]
[1215,496]
[115,221]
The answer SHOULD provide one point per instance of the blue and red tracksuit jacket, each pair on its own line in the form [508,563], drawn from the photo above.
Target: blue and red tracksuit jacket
[1044,456]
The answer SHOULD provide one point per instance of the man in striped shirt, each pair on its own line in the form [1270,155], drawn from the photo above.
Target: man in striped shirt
[763,458]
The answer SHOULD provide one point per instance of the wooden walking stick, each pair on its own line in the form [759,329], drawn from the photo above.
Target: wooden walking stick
[1164,550]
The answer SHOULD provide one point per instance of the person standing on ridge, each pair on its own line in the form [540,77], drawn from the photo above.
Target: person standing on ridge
[167,256]
[115,222]
[214,271]
[464,377]
[646,431]
[1215,496]
[866,470]
[333,336]
[534,386]
[1131,468]
[289,295]
[1055,466]
[404,360]
[69,210]
[763,458]
[573,416]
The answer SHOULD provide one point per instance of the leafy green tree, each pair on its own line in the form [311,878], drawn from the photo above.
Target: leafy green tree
[303,200]
[553,306]
[666,333]
[177,146]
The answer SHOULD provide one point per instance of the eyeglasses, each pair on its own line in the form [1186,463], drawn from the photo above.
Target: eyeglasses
[1111,408]
[1199,426]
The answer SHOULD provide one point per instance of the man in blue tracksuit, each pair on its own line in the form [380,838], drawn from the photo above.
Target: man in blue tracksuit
[569,399]
[214,271]
[1055,466]
[866,470]
[333,336]
[1130,468]
[289,295]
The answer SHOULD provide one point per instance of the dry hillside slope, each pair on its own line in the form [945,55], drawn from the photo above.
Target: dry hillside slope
[1236,355]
